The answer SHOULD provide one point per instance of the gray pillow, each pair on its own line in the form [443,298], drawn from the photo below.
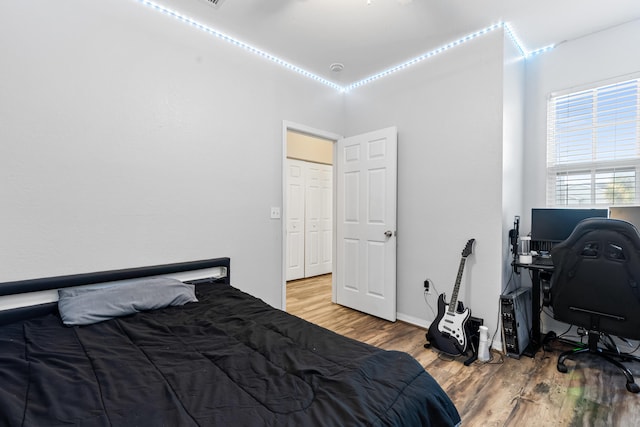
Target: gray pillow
[84,306]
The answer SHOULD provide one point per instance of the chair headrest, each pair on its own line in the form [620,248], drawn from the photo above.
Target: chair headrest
[597,224]
[592,227]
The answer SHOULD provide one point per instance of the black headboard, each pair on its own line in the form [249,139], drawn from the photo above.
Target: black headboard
[49,283]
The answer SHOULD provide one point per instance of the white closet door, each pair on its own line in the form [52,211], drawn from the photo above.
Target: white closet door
[326,220]
[295,219]
[318,219]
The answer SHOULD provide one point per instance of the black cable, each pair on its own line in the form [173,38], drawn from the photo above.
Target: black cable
[565,332]
[429,305]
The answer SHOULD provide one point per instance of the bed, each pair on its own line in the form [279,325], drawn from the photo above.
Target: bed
[228,359]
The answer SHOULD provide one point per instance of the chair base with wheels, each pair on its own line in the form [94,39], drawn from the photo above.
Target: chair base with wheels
[595,286]
[608,355]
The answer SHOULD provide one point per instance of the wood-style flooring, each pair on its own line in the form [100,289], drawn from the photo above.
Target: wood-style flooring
[503,392]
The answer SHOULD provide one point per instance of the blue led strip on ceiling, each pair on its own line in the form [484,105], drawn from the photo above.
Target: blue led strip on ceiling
[241,44]
[422,57]
[512,36]
[525,53]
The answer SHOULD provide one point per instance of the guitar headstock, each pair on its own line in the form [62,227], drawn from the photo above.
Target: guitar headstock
[468,248]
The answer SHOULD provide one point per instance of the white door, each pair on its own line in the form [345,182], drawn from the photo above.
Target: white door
[326,220]
[366,222]
[295,219]
[318,219]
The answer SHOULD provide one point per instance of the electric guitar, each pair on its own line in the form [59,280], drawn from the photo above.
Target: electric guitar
[447,333]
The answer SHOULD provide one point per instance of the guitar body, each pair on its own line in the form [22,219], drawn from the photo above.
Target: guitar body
[448,330]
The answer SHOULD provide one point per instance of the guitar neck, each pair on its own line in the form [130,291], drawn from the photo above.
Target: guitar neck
[454,296]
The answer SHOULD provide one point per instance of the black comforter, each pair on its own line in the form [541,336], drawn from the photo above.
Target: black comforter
[228,360]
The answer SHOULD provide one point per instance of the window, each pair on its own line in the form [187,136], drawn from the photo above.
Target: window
[593,146]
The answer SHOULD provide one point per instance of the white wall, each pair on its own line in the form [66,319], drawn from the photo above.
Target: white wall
[128,138]
[599,56]
[586,60]
[513,149]
[449,113]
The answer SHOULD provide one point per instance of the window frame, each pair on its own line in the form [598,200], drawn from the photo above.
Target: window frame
[558,166]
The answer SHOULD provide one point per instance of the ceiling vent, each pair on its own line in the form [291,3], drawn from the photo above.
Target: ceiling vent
[215,3]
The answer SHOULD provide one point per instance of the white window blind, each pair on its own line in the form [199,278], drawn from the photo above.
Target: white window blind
[593,152]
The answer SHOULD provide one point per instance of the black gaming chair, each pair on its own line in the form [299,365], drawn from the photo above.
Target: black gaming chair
[596,286]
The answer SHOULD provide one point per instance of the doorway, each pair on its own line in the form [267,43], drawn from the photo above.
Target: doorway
[364,189]
[315,244]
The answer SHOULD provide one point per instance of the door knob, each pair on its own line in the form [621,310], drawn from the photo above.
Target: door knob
[388,233]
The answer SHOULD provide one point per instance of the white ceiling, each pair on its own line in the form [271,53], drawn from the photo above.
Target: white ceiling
[369,36]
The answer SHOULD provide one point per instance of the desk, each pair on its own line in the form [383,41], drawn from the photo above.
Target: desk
[539,272]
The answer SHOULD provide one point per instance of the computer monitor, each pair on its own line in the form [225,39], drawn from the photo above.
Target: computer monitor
[555,225]
[627,213]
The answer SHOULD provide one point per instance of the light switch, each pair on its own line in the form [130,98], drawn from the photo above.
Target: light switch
[275,212]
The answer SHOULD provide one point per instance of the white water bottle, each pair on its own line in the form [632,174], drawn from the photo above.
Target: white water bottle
[483,349]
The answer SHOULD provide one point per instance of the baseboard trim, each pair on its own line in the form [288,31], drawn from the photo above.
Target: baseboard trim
[415,321]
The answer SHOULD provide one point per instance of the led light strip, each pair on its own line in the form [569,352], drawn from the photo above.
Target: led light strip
[241,44]
[422,57]
[516,40]
[308,74]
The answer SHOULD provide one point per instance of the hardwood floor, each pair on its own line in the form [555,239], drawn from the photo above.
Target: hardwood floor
[503,392]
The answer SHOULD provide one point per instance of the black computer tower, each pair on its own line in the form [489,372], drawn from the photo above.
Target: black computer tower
[515,309]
